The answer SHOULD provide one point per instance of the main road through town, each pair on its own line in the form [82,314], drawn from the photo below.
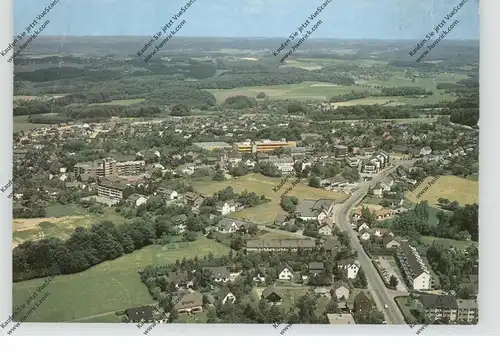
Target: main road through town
[380,293]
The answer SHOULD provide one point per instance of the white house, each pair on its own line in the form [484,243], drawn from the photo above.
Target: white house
[341,290]
[351,267]
[137,199]
[365,234]
[225,295]
[226,207]
[286,273]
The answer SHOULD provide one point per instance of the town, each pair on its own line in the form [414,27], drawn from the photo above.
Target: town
[239,201]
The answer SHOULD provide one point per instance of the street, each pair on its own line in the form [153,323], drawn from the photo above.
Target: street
[380,293]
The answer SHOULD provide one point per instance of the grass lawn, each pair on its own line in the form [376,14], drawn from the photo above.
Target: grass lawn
[62,224]
[198,317]
[448,242]
[450,187]
[309,90]
[121,102]
[405,309]
[264,213]
[107,287]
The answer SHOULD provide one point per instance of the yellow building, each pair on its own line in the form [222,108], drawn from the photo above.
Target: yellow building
[262,145]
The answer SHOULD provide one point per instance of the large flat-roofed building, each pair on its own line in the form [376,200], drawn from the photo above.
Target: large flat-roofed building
[211,146]
[98,168]
[111,188]
[280,244]
[262,145]
[131,167]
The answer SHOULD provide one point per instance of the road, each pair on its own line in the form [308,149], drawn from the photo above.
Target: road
[380,293]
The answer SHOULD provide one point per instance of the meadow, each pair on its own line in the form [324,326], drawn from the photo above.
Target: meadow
[60,222]
[97,293]
[264,213]
[21,123]
[448,242]
[309,90]
[454,188]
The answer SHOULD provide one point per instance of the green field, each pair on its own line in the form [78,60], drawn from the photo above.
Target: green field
[308,90]
[263,213]
[450,187]
[103,289]
[448,242]
[21,123]
[121,102]
[61,223]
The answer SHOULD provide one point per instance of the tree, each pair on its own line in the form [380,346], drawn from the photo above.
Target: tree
[261,95]
[393,281]
[361,280]
[180,110]
[314,182]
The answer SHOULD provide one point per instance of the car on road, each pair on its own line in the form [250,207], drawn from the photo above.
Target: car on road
[386,306]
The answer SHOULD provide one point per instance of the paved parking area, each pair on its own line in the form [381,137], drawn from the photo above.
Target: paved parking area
[388,269]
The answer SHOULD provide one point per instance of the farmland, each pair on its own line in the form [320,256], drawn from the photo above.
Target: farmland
[107,287]
[450,187]
[264,213]
[21,123]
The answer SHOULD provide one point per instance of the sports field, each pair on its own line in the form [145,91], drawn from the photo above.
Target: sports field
[264,213]
[105,288]
[454,188]
[309,90]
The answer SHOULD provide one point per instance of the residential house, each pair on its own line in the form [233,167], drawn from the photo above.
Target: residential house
[226,207]
[225,295]
[180,221]
[188,303]
[193,199]
[286,272]
[316,268]
[180,279]
[272,295]
[414,269]
[326,227]
[259,275]
[362,225]
[220,274]
[390,242]
[377,190]
[227,225]
[425,151]
[362,303]
[387,184]
[140,314]
[365,234]
[437,307]
[383,214]
[168,194]
[351,266]
[341,290]
[136,199]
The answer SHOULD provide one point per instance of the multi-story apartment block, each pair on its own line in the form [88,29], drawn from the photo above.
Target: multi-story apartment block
[131,167]
[111,189]
[414,269]
[262,145]
[467,311]
[98,168]
[437,307]
[375,163]
[340,151]
[285,164]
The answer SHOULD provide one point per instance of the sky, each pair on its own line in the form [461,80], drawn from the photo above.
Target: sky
[343,19]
